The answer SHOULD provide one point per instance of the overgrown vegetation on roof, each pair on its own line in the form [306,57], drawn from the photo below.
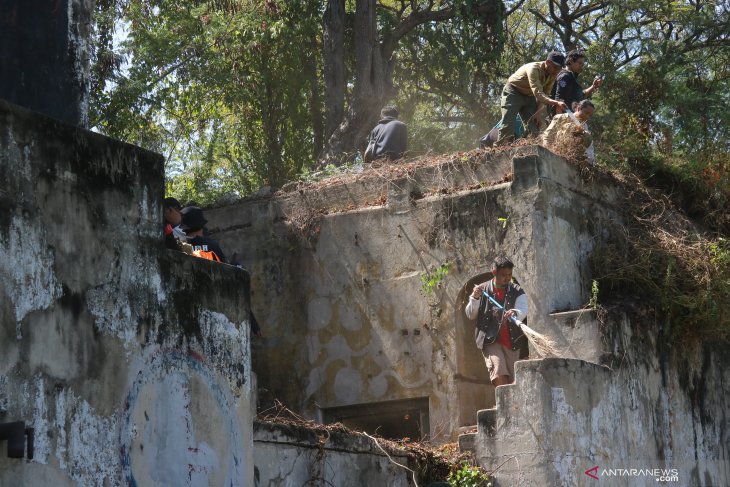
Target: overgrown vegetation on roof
[673,262]
[679,265]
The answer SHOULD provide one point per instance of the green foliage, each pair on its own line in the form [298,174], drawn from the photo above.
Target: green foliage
[225,95]
[468,476]
[231,92]
[593,302]
[431,280]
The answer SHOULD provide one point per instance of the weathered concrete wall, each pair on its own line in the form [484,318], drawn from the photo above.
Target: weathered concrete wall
[294,456]
[653,408]
[336,276]
[131,362]
[337,285]
[44,56]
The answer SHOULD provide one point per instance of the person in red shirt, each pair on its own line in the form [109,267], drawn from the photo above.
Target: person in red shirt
[171,212]
[497,336]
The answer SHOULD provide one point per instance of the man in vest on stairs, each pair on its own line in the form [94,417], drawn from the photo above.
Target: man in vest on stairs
[501,341]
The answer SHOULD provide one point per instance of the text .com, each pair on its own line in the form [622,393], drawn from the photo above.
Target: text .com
[660,474]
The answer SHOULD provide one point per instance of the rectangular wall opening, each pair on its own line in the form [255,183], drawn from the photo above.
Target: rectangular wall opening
[405,418]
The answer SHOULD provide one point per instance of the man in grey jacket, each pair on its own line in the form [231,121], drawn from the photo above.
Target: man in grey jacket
[389,138]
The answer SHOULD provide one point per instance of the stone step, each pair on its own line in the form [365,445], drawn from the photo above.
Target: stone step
[487,421]
[470,428]
[467,442]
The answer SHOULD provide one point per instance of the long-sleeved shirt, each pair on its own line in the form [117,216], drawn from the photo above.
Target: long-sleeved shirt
[567,88]
[472,307]
[389,138]
[533,80]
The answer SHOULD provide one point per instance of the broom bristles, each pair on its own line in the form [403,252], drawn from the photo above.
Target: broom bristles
[543,344]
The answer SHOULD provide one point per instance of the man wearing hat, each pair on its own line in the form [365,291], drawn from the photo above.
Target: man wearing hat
[526,92]
[171,212]
[192,224]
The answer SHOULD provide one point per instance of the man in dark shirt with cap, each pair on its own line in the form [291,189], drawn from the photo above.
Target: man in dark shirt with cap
[567,88]
[526,92]
[389,138]
[192,224]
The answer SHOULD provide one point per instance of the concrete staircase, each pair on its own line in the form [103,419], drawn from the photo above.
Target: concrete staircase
[537,420]
[532,435]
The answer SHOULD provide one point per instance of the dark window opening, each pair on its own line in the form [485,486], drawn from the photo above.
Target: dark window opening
[407,418]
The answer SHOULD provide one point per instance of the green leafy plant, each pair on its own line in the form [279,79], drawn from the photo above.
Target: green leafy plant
[593,302]
[469,476]
[431,280]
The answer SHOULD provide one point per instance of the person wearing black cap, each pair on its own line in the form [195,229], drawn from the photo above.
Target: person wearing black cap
[526,92]
[389,138]
[192,224]
[173,233]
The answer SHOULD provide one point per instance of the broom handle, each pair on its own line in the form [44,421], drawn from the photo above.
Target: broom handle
[496,303]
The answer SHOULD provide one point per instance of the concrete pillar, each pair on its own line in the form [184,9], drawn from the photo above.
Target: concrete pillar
[44,56]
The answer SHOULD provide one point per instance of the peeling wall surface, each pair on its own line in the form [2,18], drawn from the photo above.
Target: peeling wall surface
[130,362]
[337,276]
[289,456]
[642,419]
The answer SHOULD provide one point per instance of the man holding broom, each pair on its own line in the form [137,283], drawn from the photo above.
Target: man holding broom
[493,304]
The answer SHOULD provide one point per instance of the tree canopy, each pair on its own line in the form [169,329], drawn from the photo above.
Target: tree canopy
[238,94]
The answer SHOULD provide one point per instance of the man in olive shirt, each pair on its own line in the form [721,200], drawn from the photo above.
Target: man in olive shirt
[526,90]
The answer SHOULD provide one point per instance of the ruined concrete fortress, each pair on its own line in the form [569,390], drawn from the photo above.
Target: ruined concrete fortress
[126,364]
[357,332]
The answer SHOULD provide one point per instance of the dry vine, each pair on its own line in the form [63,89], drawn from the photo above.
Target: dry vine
[433,463]
[659,255]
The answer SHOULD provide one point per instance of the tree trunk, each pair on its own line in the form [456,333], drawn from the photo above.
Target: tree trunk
[315,106]
[333,43]
[373,87]
[374,62]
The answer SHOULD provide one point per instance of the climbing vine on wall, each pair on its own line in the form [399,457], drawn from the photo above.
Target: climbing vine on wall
[430,280]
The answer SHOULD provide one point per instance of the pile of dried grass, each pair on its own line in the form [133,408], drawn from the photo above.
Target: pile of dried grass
[387,170]
[569,144]
[305,222]
[433,463]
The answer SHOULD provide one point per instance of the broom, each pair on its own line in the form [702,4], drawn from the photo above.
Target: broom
[543,344]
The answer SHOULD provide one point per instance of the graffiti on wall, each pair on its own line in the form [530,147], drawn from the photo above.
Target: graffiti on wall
[179,425]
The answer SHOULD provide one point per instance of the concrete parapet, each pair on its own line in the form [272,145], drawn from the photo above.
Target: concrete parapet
[131,362]
[294,455]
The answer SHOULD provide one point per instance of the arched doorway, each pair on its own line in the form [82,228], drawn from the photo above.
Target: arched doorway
[473,388]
